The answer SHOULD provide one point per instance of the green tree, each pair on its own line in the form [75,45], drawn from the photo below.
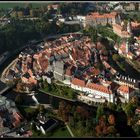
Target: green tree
[122,66]
[59,11]
[134,100]
[119,107]
[118,40]
[137,129]
[100,112]
[79,128]
[50,87]
[73,109]
[19,99]
[41,108]
[129,109]
[33,127]
[111,106]
[44,18]
[88,125]
[29,5]
[93,34]
[99,66]
[16,8]
[116,57]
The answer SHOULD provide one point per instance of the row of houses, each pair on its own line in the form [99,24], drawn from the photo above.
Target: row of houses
[107,18]
[108,91]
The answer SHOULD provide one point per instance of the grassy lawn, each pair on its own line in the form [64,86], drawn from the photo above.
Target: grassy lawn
[60,133]
[75,132]
[62,91]
[12,5]
[25,110]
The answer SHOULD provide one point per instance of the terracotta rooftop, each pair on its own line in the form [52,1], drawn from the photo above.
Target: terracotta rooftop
[30,72]
[130,54]
[106,64]
[78,82]
[97,15]
[68,72]
[43,63]
[96,72]
[100,88]
[24,79]
[135,24]
[125,89]
[117,26]
[123,47]
[55,6]
[32,80]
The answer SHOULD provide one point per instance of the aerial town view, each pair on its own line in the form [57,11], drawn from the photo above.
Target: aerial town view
[69,69]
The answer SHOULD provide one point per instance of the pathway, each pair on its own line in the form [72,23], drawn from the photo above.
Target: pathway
[69,130]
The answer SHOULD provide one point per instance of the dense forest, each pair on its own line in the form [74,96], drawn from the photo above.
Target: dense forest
[19,32]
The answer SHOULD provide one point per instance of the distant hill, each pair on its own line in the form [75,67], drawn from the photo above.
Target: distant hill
[6,5]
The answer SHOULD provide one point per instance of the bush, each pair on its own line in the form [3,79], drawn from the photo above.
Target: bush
[19,99]
[116,57]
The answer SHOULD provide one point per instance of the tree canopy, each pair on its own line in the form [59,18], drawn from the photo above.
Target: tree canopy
[100,112]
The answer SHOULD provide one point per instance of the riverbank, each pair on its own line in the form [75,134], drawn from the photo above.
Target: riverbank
[4,73]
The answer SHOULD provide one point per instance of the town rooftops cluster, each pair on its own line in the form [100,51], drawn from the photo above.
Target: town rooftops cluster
[72,58]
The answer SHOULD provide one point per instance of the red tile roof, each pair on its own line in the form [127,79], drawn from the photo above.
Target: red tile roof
[96,72]
[32,80]
[125,89]
[119,30]
[69,71]
[30,72]
[97,15]
[29,133]
[78,82]
[55,6]
[100,88]
[123,48]
[43,63]
[106,65]
[135,24]
[130,54]
[17,120]
[24,79]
